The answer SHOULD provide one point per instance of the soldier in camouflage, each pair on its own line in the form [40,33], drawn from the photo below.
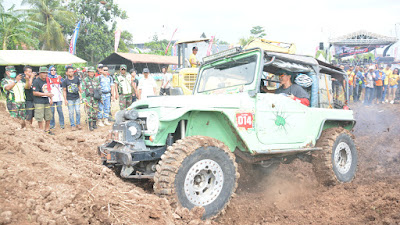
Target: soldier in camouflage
[14,87]
[125,87]
[89,85]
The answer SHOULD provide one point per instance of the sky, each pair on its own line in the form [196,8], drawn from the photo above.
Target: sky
[303,22]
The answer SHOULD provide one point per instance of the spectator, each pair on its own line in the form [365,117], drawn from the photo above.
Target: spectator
[379,78]
[192,58]
[54,82]
[89,86]
[351,74]
[388,73]
[147,85]
[14,86]
[357,83]
[42,100]
[72,88]
[166,84]
[135,84]
[106,85]
[99,70]
[393,82]
[29,105]
[369,85]
[124,88]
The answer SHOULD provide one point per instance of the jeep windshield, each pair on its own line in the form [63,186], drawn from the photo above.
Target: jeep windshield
[227,73]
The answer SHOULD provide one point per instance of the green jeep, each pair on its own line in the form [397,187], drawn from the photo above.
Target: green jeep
[191,144]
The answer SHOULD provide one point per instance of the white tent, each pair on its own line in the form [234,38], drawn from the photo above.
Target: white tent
[37,58]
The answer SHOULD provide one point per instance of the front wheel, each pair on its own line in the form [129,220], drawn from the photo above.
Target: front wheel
[197,171]
[337,162]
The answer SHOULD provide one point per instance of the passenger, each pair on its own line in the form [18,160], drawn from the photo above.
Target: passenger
[292,90]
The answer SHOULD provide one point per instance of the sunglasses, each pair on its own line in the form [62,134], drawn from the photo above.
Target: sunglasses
[52,70]
[123,69]
[105,70]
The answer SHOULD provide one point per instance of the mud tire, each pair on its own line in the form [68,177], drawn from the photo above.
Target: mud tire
[180,158]
[336,142]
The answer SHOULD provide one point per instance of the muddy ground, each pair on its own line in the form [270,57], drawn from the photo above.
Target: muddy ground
[58,180]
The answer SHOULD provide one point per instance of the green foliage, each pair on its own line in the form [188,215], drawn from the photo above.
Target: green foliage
[158,47]
[16,29]
[96,35]
[258,32]
[54,18]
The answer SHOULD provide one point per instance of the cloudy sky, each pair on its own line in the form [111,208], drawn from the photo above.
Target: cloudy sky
[303,22]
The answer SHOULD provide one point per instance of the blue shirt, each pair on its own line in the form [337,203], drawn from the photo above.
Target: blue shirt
[105,84]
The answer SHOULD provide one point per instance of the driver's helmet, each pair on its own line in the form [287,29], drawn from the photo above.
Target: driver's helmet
[303,80]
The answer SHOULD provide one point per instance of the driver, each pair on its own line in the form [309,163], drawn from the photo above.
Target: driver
[292,90]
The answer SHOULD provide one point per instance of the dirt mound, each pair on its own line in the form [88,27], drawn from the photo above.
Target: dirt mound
[57,180]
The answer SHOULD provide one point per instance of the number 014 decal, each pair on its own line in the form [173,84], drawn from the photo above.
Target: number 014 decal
[244,120]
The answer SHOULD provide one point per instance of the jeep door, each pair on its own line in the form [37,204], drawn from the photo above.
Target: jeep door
[280,120]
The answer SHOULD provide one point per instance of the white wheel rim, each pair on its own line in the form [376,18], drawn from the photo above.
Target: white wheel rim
[343,157]
[204,182]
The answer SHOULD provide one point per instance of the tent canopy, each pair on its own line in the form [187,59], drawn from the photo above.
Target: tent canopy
[37,58]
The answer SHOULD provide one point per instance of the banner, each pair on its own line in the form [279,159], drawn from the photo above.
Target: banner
[117,38]
[210,46]
[166,50]
[72,44]
[343,51]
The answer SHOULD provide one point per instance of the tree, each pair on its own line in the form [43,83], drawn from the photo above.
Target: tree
[157,47]
[96,35]
[54,18]
[126,42]
[258,32]
[16,29]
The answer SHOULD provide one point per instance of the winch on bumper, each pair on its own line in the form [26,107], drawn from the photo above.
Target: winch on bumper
[126,151]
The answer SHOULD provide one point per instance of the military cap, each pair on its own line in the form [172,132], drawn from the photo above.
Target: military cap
[123,66]
[43,69]
[91,69]
[146,70]
[10,68]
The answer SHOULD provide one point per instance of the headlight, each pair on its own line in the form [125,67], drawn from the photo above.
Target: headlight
[152,121]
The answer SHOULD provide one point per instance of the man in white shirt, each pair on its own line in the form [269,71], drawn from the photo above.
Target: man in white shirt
[166,84]
[147,85]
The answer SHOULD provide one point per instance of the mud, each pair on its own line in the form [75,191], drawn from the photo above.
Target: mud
[58,180]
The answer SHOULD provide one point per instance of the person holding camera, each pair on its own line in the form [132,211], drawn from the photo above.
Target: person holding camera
[14,87]
[91,96]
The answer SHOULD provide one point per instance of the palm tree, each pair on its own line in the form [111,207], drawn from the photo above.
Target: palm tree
[15,28]
[54,18]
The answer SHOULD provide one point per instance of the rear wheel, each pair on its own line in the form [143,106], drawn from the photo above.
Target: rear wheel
[197,171]
[337,162]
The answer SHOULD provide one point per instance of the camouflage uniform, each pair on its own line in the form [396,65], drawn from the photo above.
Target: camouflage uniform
[88,86]
[16,109]
[125,96]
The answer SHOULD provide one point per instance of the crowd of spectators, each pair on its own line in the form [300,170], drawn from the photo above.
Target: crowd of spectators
[373,84]
[38,95]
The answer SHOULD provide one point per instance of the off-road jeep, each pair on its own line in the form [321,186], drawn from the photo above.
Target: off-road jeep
[191,144]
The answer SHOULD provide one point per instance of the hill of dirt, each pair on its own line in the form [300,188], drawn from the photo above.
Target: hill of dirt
[58,180]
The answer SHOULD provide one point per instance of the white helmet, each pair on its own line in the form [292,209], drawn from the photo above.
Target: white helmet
[303,80]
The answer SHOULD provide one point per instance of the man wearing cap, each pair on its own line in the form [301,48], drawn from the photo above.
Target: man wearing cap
[123,87]
[379,79]
[147,85]
[14,86]
[42,100]
[107,90]
[89,86]
[99,70]
[192,59]
[166,84]
[369,85]
[292,90]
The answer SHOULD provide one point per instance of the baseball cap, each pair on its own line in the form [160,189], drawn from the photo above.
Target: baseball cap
[195,48]
[43,69]
[123,66]
[371,67]
[10,68]
[100,65]
[146,70]
[91,69]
